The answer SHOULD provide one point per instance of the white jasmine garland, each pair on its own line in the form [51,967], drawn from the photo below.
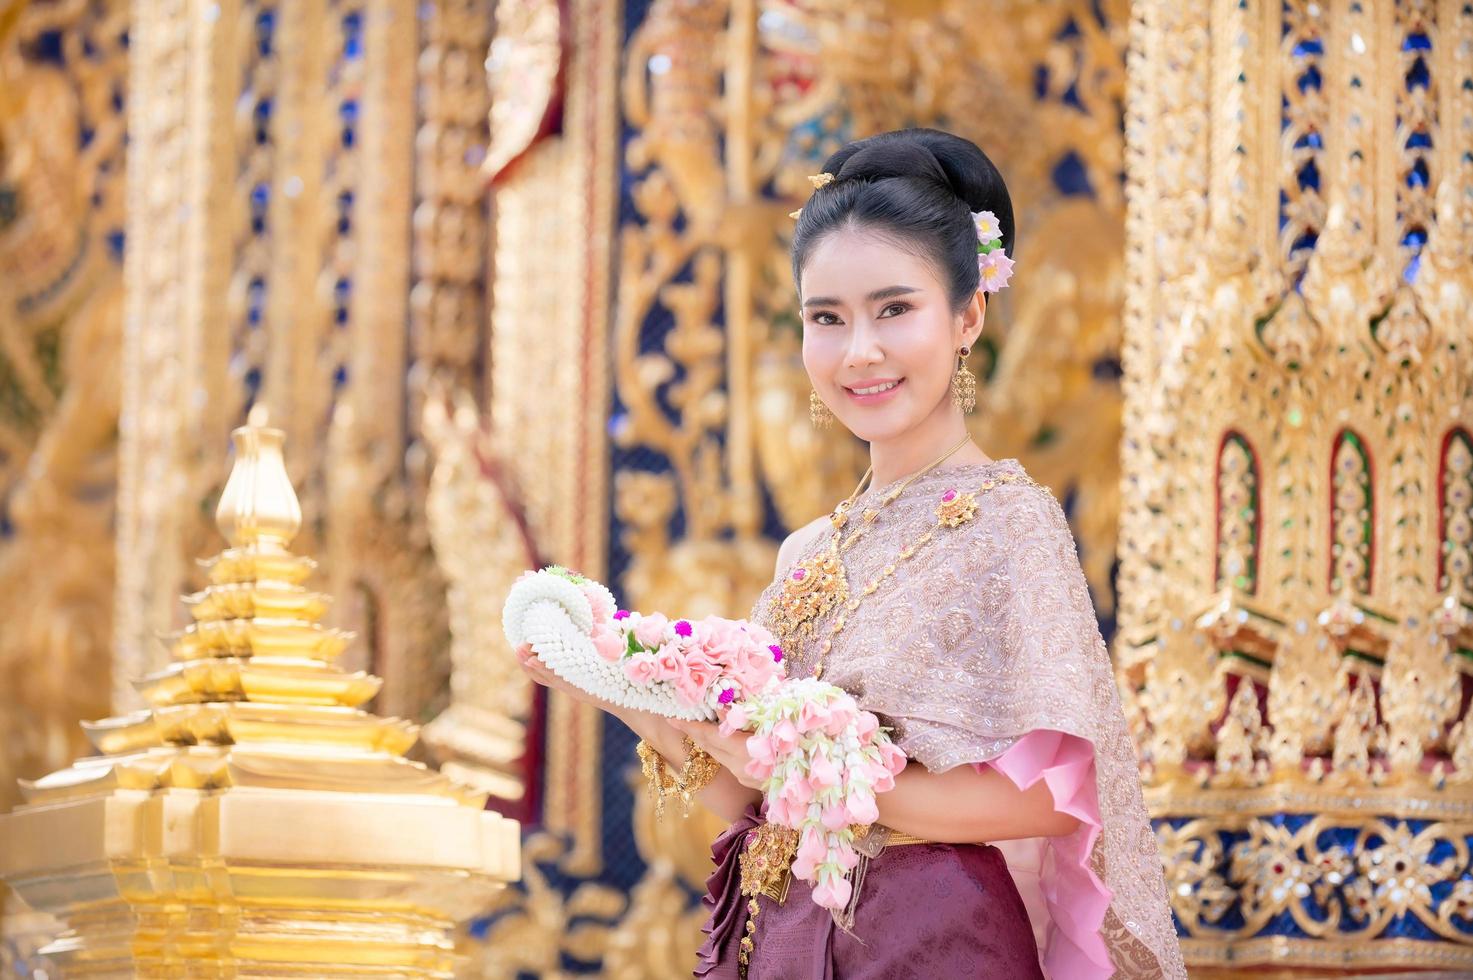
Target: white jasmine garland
[821,758]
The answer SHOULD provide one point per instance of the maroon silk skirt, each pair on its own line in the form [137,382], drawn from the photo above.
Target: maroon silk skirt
[925,911]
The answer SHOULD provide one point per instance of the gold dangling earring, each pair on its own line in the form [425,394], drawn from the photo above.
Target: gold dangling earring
[963,383]
[818,412]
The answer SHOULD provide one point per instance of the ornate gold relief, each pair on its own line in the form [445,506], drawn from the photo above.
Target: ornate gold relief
[1294,371]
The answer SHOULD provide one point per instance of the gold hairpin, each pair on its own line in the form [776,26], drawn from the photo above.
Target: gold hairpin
[820,180]
[795,215]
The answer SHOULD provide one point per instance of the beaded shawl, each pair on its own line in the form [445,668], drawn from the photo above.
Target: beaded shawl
[980,636]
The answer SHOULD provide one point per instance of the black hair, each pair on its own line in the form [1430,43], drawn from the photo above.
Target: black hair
[918,187]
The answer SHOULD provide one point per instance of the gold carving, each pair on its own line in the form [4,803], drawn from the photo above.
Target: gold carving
[1294,370]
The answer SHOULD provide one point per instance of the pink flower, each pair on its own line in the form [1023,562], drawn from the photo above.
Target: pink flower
[862,807]
[758,769]
[697,673]
[785,736]
[761,749]
[812,716]
[669,662]
[841,716]
[641,668]
[609,643]
[722,640]
[823,772]
[651,630]
[996,269]
[833,892]
[796,791]
[776,651]
[987,226]
[811,853]
[778,812]
[865,726]
[836,816]
[735,720]
[891,757]
[599,602]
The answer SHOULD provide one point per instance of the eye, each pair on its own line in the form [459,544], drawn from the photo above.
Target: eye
[824,318]
[895,309]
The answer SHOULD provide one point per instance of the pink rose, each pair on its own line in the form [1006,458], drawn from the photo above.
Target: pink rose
[758,769]
[599,602]
[640,669]
[761,749]
[891,757]
[697,673]
[735,720]
[650,632]
[785,736]
[823,772]
[796,791]
[811,853]
[833,892]
[862,808]
[812,716]
[778,813]
[722,639]
[669,662]
[836,816]
[865,726]
[609,643]
[841,716]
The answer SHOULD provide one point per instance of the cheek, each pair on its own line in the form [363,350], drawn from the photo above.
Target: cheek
[821,353]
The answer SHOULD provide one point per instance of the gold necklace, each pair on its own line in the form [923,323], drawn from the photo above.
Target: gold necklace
[815,586]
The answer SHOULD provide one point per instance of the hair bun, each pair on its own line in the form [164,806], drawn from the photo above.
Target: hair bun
[926,154]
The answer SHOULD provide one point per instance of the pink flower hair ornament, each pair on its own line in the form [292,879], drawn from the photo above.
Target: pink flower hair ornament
[993,264]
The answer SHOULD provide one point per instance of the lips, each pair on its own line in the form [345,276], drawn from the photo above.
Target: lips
[871,390]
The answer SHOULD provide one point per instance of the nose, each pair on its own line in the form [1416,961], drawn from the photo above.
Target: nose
[864,345]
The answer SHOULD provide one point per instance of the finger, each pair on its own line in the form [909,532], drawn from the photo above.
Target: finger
[525,652]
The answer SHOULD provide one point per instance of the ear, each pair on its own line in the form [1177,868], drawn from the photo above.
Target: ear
[971,319]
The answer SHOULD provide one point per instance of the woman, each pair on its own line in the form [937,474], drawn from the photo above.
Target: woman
[948,598]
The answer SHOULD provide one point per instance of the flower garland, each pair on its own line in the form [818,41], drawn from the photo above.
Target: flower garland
[821,757]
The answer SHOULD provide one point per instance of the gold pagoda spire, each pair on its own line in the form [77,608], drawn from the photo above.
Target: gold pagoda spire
[254,818]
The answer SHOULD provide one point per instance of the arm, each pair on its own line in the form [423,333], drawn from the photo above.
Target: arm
[965,805]
[970,804]
[725,797]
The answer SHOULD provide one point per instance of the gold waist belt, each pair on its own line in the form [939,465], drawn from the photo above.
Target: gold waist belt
[769,855]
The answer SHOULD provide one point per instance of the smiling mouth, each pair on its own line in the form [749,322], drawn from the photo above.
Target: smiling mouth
[869,391]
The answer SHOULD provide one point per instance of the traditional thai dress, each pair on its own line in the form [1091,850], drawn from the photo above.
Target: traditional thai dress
[978,647]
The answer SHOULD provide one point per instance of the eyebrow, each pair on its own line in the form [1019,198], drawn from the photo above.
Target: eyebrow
[889,292]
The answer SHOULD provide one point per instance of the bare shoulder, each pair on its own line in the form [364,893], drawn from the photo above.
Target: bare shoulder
[795,544]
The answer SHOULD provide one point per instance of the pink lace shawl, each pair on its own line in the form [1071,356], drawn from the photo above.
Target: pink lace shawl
[983,648]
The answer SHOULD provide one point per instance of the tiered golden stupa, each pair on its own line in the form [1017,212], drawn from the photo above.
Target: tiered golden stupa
[254,820]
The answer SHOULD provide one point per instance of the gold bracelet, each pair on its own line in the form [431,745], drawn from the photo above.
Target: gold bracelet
[657,774]
[699,769]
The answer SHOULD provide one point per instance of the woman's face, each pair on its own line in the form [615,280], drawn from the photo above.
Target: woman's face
[879,335]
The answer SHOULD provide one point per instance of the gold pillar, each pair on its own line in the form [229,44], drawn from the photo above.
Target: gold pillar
[1296,619]
[253,821]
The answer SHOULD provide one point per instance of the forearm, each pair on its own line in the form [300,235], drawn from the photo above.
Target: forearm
[968,805]
[724,796]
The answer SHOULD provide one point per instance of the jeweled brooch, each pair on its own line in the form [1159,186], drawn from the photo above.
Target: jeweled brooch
[956,508]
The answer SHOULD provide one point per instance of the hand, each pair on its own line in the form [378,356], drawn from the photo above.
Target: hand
[540,673]
[729,750]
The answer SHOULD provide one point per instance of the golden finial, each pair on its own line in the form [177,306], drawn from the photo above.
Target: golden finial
[258,505]
[820,180]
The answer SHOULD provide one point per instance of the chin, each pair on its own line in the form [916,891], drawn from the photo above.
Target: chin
[878,429]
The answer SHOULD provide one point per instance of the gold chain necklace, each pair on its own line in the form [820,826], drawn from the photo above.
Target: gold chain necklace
[815,586]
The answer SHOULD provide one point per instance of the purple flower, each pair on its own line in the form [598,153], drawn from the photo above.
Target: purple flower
[622,614]
[777,653]
[727,696]
[683,628]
